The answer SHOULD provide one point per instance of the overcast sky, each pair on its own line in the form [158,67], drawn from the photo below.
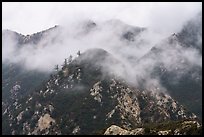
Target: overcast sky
[31,17]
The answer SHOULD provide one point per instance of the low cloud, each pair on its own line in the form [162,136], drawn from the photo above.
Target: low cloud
[74,34]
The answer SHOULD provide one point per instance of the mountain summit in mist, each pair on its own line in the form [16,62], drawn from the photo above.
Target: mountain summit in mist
[109,78]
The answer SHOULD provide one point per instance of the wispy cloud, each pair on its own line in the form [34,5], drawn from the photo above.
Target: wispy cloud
[31,17]
[161,20]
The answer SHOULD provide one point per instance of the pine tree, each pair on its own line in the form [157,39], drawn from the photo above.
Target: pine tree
[78,53]
[65,62]
[70,59]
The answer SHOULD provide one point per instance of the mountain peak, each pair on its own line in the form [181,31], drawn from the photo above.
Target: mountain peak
[29,39]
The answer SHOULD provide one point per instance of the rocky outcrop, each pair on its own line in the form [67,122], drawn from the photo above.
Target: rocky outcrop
[179,128]
[115,130]
[45,122]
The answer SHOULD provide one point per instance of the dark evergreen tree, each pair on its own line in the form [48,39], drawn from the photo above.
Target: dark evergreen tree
[79,53]
[65,64]
[70,59]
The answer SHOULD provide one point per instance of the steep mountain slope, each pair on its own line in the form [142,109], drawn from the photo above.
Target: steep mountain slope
[14,72]
[81,99]
[14,75]
[191,34]
[179,74]
[177,64]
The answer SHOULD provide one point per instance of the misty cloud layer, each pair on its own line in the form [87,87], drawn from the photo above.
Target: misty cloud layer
[31,17]
[76,35]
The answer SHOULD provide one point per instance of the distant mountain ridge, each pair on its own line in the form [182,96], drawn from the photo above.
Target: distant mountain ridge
[29,39]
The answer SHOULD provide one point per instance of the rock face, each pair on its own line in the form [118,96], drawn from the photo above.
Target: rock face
[45,122]
[115,130]
[179,128]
